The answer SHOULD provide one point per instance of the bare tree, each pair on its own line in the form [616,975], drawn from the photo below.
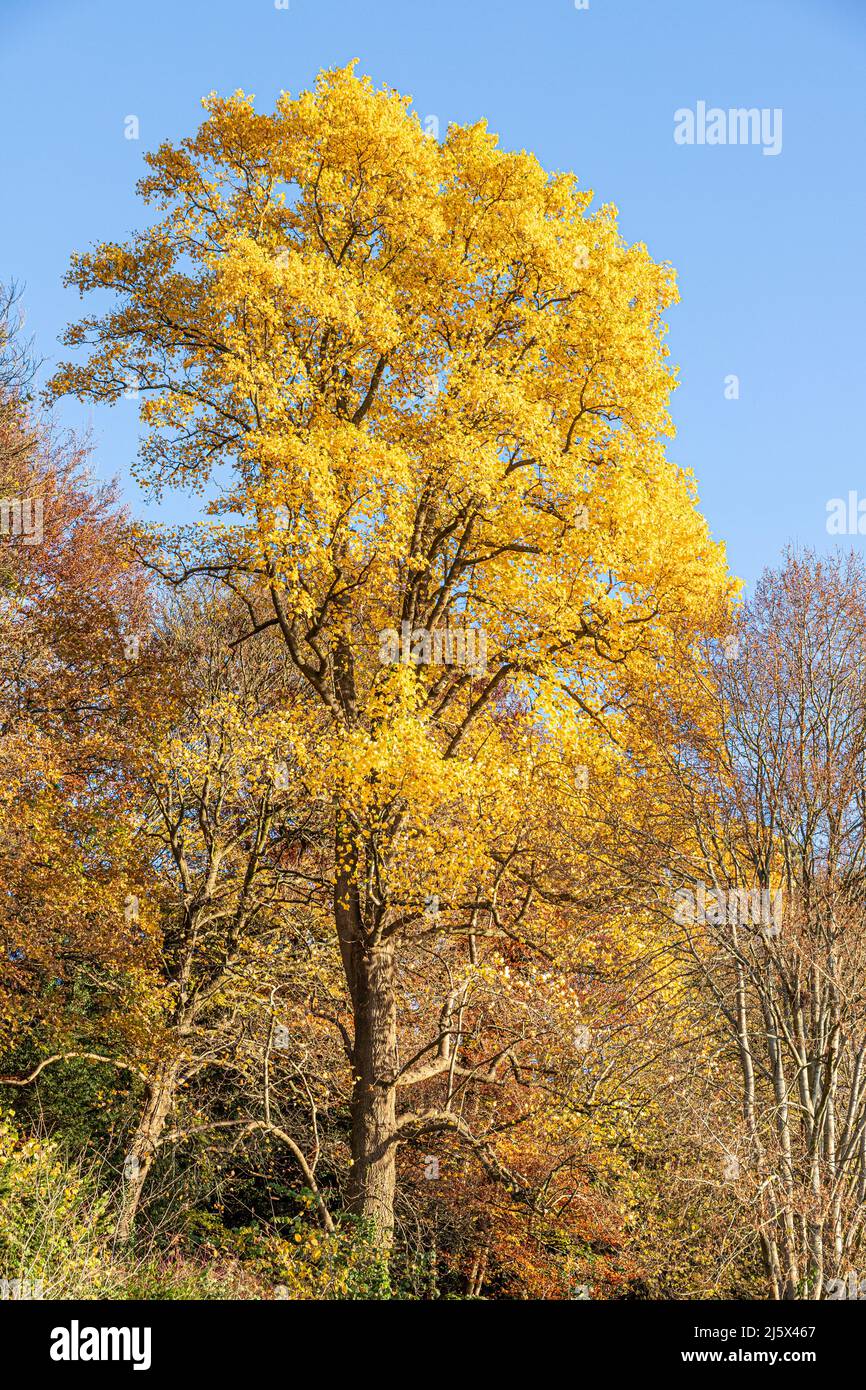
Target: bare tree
[771,901]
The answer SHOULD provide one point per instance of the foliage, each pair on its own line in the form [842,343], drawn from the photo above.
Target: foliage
[341,830]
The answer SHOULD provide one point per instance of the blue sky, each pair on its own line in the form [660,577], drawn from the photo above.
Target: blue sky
[768,249]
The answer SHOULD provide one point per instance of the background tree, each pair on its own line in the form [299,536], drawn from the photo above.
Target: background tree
[774,802]
[226,836]
[74,698]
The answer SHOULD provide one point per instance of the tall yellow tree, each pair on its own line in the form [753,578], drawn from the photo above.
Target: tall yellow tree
[424,388]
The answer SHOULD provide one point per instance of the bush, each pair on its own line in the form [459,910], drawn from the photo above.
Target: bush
[54,1222]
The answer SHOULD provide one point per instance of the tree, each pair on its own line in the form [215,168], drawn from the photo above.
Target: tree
[222,822]
[771,910]
[432,386]
[74,699]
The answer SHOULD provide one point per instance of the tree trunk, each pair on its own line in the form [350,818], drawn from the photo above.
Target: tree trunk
[142,1151]
[374,1107]
[369,966]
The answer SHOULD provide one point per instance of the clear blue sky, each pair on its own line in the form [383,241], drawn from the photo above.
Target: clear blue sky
[769,249]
